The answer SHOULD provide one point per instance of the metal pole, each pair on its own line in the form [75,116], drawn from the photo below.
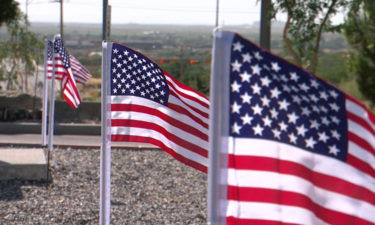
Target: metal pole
[104,23]
[105,151]
[217,13]
[27,8]
[265,24]
[219,128]
[62,19]
[45,98]
[108,26]
[51,116]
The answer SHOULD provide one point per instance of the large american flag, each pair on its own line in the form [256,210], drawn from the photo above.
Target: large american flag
[63,65]
[80,73]
[148,105]
[301,151]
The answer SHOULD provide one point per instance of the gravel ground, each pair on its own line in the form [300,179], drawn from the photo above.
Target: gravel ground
[148,187]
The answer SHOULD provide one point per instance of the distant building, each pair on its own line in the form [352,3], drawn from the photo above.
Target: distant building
[95,54]
[144,45]
[79,44]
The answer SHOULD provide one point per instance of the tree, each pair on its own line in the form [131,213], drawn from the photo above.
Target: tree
[190,69]
[360,32]
[9,11]
[19,55]
[305,24]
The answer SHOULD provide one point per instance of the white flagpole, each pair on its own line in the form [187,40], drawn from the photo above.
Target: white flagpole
[219,127]
[51,116]
[45,98]
[105,153]
[217,14]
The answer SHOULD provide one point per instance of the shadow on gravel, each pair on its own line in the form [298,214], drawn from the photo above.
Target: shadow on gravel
[117,203]
[11,190]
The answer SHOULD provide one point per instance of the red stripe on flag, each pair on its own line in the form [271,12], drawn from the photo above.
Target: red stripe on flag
[289,198]
[205,115]
[57,77]
[60,73]
[174,89]
[360,121]
[148,125]
[157,113]
[80,73]
[370,115]
[291,168]
[71,88]
[361,142]
[139,139]
[59,66]
[360,165]
[182,86]
[70,91]
[71,103]
[184,111]
[237,221]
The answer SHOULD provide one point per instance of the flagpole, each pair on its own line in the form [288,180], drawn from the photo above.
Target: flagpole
[105,152]
[45,98]
[217,14]
[265,24]
[51,112]
[51,116]
[105,21]
[219,128]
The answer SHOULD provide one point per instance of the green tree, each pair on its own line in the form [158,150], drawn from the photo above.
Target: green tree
[360,32]
[332,67]
[92,64]
[9,11]
[19,55]
[305,24]
[195,76]
[190,69]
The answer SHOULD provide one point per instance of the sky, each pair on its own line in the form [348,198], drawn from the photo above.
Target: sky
[195,12]
[191,12]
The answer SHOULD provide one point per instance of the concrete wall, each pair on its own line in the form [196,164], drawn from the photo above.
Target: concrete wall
[25,108]
[87,112]
[60,128]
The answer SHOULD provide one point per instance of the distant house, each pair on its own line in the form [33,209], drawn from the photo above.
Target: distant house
[79,44]
[71,43]
[87,44]
[95,54]
[144,45]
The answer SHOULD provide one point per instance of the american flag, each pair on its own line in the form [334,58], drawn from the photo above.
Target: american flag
[49,59]
[63,65]
[80,73]
[301,151]
[150,106]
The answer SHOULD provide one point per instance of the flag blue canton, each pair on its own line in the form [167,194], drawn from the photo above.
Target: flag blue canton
[60,49]
[275,100]
[49,50]
[134,74]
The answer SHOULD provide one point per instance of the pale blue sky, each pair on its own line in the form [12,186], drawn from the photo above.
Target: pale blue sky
[202,12]
[146,11]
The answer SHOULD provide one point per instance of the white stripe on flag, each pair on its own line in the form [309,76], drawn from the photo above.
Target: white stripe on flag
[318,163]
[272,212]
